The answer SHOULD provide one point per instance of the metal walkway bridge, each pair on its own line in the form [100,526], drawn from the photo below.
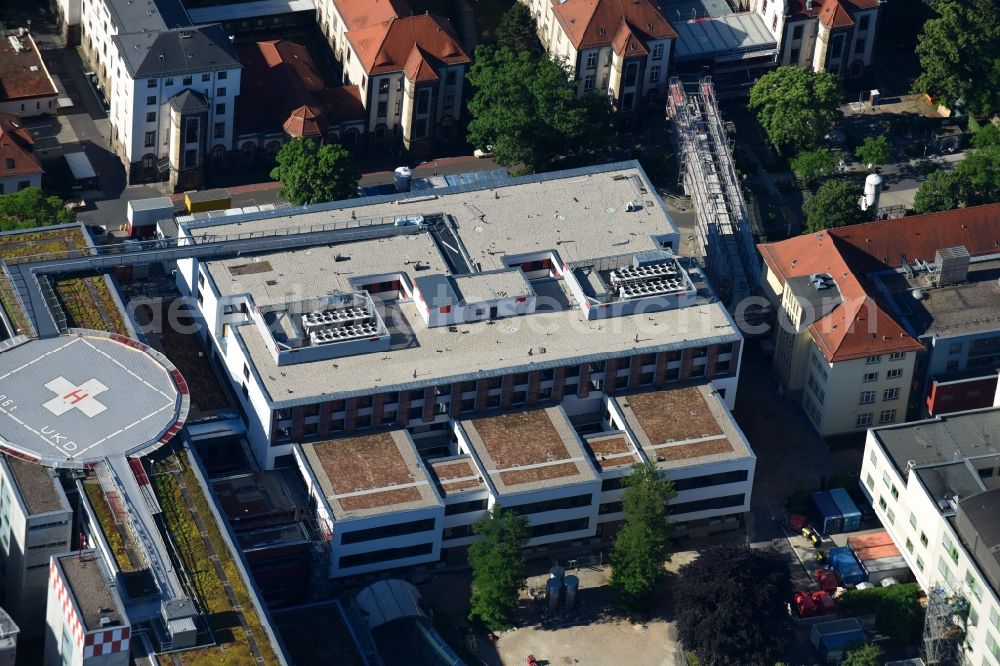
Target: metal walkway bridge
[29,275]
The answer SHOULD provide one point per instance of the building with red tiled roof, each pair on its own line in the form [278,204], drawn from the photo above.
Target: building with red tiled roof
[824,35]
[26,88]
[615,46]
[19,166]
[284,96]
[409,70]
[865,312]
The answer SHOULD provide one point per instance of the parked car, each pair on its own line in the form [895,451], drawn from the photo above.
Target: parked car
[483,153]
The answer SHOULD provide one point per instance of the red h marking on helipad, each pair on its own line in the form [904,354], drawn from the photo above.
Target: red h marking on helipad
[79,397]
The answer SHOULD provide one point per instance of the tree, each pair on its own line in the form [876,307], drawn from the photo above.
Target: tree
[835,204]
[642,545]
[810,166]
[874,150]
[939,192]
[731,605]
[959,53]
[498,567]
[796,106]
[978,176]
[984,136]
[311,173]
[863,655]
[897,610]
[31,208]
[527,109]
[517,30]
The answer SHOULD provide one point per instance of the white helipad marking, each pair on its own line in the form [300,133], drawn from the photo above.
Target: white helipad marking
[119,364]
[36,360]
[79,397]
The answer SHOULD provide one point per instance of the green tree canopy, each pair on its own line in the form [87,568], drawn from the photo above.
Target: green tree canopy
[978,176]
[810,166]
[796,106]
[643,543]
[731,606]
[835,204]
[874,150]
[959,53]
[517,30]
[31,208]
[311,173]
[939,192]
[862,655]
[984,135]
[527,109]
[897,610]
[498,567]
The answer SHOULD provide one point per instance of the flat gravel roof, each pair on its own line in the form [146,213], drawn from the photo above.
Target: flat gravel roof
[73,400]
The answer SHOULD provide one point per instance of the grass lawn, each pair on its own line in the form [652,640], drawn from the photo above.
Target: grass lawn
[107,521]
[233,648]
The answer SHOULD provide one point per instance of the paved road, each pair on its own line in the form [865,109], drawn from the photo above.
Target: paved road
[111,212]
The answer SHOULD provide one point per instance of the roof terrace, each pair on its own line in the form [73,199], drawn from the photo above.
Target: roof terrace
[371,474]
[456,475]
[683,426]
[611,451]
[529,450]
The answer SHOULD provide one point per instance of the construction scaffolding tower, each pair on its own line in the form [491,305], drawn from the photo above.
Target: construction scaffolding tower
[708,175]
[944,627]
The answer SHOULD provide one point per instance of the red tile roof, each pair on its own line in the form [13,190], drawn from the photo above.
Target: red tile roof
[283,88]
[593,23]
[16,145]
[306,121]
[626,43]
[22,73]
[360,14]
[833,13]
[389,46]
[861,325]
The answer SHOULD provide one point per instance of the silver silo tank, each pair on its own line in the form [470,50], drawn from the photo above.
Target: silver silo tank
[572,585]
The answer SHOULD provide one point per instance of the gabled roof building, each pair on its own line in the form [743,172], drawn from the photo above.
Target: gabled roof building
[19,165]
[619,48]
[869,312]
[171,87]
[409,70]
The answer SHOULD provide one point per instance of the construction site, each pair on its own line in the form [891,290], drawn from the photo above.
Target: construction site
[725,233]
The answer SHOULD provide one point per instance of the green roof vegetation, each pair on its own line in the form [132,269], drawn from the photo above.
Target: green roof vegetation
[233,647]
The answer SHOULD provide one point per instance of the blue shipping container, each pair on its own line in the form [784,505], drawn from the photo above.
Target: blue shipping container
[848,509]
[831,648]
[828,518]
[843,561]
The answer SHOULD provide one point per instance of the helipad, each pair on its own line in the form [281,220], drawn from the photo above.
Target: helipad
[73,400]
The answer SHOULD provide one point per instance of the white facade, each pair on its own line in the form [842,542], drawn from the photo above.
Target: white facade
[78,634]
[842,44]
[12,184]
[35,522]
[920,521]
[627,78]
[584,506]
[853,395]
[141,113]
